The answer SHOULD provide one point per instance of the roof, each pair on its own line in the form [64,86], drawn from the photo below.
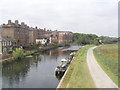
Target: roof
[64,31]
[63,60]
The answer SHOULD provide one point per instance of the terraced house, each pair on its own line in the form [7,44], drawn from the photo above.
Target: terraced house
[22,35]
[64,36]
[5,44]
[19,33]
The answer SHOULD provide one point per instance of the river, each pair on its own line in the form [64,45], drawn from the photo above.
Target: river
[35,72]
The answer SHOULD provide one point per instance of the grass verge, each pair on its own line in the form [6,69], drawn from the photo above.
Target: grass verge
[78,75]
[107,57]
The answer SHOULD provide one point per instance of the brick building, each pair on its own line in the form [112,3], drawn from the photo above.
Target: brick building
[64,36]
[23,35]
[54,37]
[59,36]
[5,44]
[47,33]
[32,36]
[35,33]
[19,32]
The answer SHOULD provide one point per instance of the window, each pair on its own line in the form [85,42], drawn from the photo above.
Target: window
[3,43]
[10,43]
[7,43]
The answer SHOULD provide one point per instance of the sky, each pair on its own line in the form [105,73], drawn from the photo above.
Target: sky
[79,16]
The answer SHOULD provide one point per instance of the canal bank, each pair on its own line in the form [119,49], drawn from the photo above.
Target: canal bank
[64,75]
[40,69]
[77,75]
[28,53]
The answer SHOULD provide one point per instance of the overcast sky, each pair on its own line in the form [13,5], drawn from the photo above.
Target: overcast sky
[84,16]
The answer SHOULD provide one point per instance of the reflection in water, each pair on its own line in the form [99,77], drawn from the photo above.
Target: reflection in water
[36,72]
[16,71]
[59,77]
[73,48]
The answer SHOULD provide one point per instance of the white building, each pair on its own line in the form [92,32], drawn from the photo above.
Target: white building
[5,44]
[42,41]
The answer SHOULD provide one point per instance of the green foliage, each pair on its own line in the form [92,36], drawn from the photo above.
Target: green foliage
[29,56]
[78,75]
[10,52]
[96,43]
[51,44]
[108,40]
[83,39]
[31,47]
[38,44]
[18,53]
[66,45]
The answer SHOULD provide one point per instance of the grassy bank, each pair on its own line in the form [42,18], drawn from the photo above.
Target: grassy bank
[107,57]
[29,52]
[78,75]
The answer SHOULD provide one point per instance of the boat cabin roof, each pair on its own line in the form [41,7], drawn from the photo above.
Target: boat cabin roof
[63,60]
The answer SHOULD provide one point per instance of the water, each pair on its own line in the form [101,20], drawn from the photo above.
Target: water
[36,72]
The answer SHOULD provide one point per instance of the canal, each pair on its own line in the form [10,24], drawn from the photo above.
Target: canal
[35,72]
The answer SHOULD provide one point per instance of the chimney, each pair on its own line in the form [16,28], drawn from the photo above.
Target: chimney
[36,27]
[9,22]
[22,23]
[44,29]
[16,22]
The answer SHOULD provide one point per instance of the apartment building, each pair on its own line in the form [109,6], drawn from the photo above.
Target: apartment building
[65,37]
[19,33]
[23,35]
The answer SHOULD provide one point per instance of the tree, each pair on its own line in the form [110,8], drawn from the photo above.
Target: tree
[108,40]
[83,39]
[18,53]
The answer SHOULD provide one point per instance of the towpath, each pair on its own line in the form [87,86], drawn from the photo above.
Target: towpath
[100,78]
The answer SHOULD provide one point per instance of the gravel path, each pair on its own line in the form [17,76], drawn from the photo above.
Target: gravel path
[99,76]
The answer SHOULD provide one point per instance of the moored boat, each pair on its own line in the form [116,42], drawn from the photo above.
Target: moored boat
[60,69]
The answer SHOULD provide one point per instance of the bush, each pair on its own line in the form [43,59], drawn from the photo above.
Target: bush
[10,52]
[96,43]
[18,53]
[30,47]
[38,44]
[60,45]
[51,44]
[66,45]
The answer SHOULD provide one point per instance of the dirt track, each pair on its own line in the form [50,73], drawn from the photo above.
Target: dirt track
[100,78]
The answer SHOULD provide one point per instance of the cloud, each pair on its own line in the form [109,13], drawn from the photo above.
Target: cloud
[86,16]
